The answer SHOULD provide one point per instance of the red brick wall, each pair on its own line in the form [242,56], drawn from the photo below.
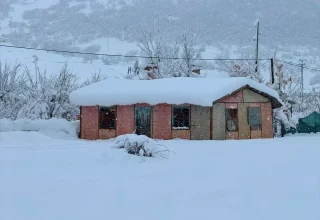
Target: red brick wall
[105,134]
[125,119]
[90,122]
[161,117]
[256,134]
[183,134]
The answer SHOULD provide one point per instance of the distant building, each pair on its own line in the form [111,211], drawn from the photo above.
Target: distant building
[187,108]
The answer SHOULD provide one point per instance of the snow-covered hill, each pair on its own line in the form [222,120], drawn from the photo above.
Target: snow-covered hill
[97,26]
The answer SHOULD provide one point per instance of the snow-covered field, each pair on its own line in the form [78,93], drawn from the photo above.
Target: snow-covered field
[45,178]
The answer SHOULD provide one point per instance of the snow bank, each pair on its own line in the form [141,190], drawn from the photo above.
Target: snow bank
[268,179]
[197,91]
[58,125]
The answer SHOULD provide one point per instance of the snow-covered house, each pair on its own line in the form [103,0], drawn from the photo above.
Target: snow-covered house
[188,108]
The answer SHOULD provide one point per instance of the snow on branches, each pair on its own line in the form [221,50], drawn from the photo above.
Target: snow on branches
[140,145]
[22,95]
[178,59]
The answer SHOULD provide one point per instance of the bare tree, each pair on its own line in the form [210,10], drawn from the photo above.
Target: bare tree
[189,52]
[153,44]
[94,78]
[167,60]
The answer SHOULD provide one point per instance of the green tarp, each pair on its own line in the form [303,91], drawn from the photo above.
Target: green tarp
[309,124]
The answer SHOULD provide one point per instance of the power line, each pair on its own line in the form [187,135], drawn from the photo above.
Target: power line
[309,68]
[299,65]
[119,55]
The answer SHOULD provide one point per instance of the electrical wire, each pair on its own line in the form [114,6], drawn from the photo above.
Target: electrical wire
[299,65]
[119,55]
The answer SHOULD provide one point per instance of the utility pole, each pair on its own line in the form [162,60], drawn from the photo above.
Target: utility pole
[301,83]
[272,70]
[257,24]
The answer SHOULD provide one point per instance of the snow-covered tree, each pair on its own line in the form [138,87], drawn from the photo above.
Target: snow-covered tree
[166,59]
[189,53]
[94,78]
[161,54]
[287,85]
[38,95]
[49,97]
[11,90]
[63,85]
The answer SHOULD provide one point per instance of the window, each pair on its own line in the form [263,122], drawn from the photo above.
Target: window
[107,118]
[181,117]
[254,118]
[232,119]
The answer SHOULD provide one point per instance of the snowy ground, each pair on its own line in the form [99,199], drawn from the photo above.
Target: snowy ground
[49,178]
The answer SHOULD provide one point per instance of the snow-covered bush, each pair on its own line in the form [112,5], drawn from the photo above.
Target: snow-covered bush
[49,96]
[12,93]
[140,145]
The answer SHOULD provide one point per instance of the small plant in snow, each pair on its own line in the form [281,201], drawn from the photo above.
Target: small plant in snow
[140,145]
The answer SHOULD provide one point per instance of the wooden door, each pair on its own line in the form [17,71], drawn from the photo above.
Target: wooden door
[143,121]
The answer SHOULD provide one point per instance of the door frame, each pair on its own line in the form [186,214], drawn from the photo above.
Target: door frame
[151,117]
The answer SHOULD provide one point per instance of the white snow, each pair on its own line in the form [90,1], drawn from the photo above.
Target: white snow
[48,178]
[44,126]
[139,145]
[197,91]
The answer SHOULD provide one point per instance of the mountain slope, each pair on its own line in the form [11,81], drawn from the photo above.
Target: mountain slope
[286,22]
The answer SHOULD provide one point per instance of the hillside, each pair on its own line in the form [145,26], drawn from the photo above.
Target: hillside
[216,21]
[97,25]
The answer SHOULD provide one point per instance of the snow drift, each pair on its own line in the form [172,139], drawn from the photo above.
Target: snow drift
[58,125]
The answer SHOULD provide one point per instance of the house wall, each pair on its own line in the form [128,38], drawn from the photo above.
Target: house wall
[89,124]
[125,119]
[200,123]
[242,100]
[232,135]
[183,134]
[219,121]
[205,122]
[235,98]
[251,96]
[244,128]
[256,134]
[161,116]
[267,122]
[105,134]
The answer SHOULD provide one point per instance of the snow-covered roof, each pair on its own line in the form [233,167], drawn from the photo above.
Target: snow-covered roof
[197,91]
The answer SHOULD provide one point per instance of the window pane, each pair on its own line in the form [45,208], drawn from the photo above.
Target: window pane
[254,118]
[181,117]
[232,119]
[107,118]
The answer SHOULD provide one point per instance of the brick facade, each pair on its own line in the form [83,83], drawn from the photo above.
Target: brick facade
[125,119]
[161,121]
[205,122]
[89,125]
[183,134]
